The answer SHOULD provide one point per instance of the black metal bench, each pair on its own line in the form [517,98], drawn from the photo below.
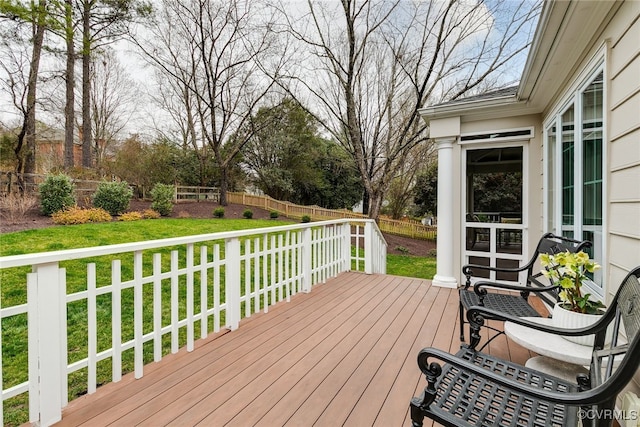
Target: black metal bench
[515,304]
[475,389]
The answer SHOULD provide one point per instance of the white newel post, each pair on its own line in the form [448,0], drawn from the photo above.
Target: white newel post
[306,260]
[232,282]
[444,267]
[45,343]
[368,247]
[346,247]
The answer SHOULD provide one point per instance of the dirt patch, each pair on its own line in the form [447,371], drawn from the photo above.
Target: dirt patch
[33,219]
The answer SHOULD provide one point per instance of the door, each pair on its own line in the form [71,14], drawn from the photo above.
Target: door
[495,225]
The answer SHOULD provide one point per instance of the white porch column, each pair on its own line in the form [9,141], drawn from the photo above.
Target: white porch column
[444,268]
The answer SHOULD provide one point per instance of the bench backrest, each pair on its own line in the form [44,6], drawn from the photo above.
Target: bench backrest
[608,375]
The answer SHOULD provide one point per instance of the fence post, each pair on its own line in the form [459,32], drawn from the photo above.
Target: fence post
[232,282]
[46,342]
[306,260]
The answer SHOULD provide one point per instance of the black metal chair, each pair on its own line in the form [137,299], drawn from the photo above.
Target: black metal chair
[475,389]
[515,304]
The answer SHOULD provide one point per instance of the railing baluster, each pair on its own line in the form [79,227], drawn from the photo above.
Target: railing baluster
[189,310]
[137,314]
[157,307]
[92,329]
[216,288]
[204,320]
[174,302]
[116,316]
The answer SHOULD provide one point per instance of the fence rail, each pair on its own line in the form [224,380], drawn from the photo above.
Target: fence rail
[190,193]
[137,302]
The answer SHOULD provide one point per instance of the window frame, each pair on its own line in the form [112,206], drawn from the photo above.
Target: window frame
[552,179]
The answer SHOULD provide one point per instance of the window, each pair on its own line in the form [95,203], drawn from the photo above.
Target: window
[574,169]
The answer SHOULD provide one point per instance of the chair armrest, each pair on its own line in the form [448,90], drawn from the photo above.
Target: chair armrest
[479,287]
[467,269]
[477,314]
[433,370]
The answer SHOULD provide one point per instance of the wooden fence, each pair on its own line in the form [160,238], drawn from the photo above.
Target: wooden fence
[407,228]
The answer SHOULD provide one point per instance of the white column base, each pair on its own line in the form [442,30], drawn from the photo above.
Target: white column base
[444,281]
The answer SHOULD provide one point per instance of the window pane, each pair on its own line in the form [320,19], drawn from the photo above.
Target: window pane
[551,178]
[591,124]
[568,167]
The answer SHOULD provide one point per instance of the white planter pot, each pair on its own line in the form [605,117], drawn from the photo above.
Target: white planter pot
[571,320]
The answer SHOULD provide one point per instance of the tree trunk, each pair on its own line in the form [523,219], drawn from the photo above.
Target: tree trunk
[224,184]
[86,85]
[69,108]
[29,160]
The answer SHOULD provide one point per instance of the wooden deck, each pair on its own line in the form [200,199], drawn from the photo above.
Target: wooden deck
[344,354]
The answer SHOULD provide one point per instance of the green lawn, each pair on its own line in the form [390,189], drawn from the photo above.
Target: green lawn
[77,236]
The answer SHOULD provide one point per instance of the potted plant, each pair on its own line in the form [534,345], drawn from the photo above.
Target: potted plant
[576,308]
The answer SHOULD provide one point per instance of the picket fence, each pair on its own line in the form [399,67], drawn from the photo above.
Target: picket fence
[409,228]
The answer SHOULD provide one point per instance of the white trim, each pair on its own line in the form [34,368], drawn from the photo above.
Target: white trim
[492,254]
[531,135]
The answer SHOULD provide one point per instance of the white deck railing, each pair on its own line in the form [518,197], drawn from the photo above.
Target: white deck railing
[134,303]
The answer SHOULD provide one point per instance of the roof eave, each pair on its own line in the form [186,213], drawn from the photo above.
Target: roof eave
[478,109]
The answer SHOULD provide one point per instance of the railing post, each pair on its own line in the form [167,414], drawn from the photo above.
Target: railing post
[45,348]
[368,247]
[346,246]
[232,282]
[306,260]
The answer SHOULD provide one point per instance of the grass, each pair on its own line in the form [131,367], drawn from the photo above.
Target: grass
[14,329]
[411,266]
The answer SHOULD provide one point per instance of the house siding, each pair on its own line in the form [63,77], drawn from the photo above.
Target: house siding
[622,35]
[623,71]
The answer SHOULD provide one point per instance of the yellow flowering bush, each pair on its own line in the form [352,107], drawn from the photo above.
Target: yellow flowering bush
[77,215]
[569,271]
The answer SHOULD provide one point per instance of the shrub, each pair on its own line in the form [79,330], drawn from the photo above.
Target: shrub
[162,195]
[402,249]
[56,194]
[218,212]
[248,214]
[306,218]
[130,216]
[273,214]
[76,215]
[114,197]
[14,206]
[150,214]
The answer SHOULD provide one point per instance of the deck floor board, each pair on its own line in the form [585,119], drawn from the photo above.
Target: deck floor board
[344,354]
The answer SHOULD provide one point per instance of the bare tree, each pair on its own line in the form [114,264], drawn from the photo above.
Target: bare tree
[175,98]
[369,66]
[113,95]
[213,50]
